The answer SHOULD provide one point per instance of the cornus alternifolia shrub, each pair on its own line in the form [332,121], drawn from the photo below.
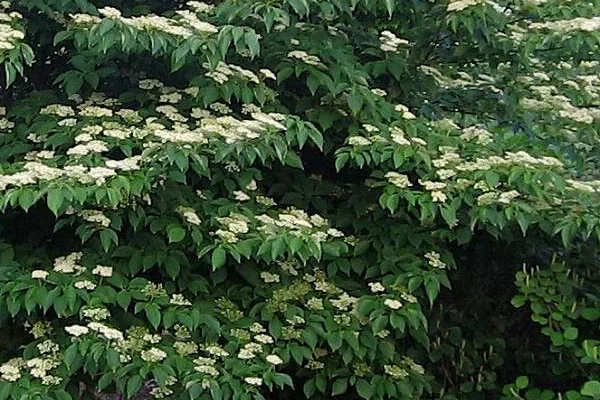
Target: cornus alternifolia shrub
[299,199]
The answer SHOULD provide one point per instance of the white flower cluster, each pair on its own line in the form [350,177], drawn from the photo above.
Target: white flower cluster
[392,304]
[390,42]
[299,223]
[345,302]
[58,110]
[35,172]
[77,330]
[564,106]
[434,259]
[223,72]
[179,300]
[189,215]
[589,186]
[103,271]
[95,217]
[85,284]
[254,381]
[199,6]
[269,277]
[376,287]
[404,111]
[234,225]
[304,57]
[250,350]
[11,370]
[39,274]
[397,179]
[69,264]
[39,367]
[464,80]
[5,124]
[459,5]
[107,332]
[95,313]
[126,164]
[480,135]
[9,34]
[186,26]
[497,197]
[206,366]
[153,355]
[569,25]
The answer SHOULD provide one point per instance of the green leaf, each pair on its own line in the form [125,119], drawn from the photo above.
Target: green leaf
[153,314]
[355,102]
[61,36]
[571,333]
[341,160]
[55,200]
[251,40]
[123,299]
[522,382]
[133,385]
[389,5]
[339,386]
[591,388]
[62,395]
[310,338]
[309,388]
[492,178]
[108,237]
[5,391]
[365,389]
[218,258]
[71,353]
[175,233]
[518,301]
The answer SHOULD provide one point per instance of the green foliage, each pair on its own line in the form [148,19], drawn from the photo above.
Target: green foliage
[297,198]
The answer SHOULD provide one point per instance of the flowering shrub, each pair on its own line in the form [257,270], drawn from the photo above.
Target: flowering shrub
[345,198]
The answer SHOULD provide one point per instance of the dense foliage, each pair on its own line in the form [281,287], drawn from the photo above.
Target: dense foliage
[261,199]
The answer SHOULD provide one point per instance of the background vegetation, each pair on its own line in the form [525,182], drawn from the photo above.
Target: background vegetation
[298,198]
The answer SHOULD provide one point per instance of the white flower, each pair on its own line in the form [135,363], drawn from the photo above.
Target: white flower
[246,354]
[110,12]
[265,339]
[434,259]
[153,355]
[216,351]
[358,141]
[399,180]
[252,185]
[393,304]
[77,330]
[253,381]
[438,197]
[257,328]
[274,359]
[10,373]
[207,369]
[268,74]
[88,285]
[240,196]
[379,92]
[189,214]
[376,287]
[39,274]
[179,300]
[103,271]
[268,277]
